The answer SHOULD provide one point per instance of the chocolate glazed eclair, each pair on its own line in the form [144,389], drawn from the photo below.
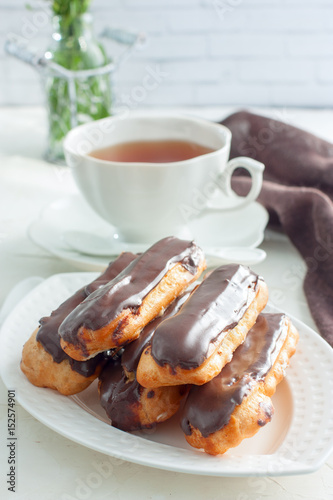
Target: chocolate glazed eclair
[236,403]
[115,314]
[45,363]
[130,406]
[194,345]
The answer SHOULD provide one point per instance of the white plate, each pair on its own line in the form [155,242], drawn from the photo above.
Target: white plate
[242,228]
[298,440]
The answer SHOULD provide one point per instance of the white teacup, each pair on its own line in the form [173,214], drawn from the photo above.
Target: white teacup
[147,201]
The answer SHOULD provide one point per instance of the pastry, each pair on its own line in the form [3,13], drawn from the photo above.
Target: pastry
[115,314]
[45,363]
[41,369]
[193,346]
[155,337]
[129,405]
[236,403]
[132,407]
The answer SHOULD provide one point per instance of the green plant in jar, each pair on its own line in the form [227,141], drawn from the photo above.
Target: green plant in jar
[81,95]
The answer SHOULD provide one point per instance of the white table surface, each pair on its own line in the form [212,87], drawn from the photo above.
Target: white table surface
[50,466]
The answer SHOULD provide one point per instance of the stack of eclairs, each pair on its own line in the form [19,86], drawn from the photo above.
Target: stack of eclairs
[161,341]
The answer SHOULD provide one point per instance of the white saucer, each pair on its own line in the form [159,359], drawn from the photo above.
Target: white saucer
[242,228]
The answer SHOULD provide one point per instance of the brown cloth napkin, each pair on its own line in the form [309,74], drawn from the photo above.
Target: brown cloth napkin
[297,192]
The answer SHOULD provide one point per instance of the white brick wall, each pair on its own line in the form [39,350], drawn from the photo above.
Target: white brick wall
[210,52]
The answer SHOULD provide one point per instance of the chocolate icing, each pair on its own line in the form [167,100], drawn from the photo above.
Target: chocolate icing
[209,407]
[215,307]
[130,287]
[48,335]
[119,397]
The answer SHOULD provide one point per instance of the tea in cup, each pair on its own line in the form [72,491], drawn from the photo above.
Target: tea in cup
[149,176]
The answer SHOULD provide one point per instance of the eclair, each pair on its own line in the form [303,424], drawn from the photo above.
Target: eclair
[115,314]
[45,363]
[236,403]
[193,346]
[130,406]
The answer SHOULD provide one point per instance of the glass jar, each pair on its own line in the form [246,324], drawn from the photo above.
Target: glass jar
[81,91]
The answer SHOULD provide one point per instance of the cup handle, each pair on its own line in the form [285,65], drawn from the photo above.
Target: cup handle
[254,167]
